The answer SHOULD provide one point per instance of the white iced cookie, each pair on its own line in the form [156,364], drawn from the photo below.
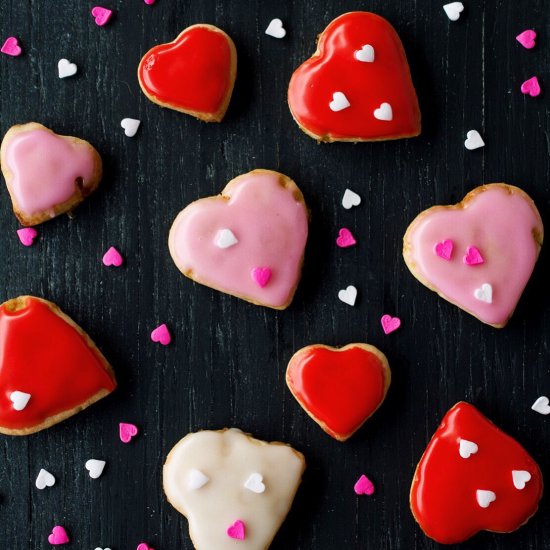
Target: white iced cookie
[234,490]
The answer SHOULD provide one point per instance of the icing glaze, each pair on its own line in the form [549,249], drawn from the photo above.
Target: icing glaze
[339,388]
[267,213]
[444,498]
[504,223]
[365,85]
[194,73]
[45,356]
[228,458]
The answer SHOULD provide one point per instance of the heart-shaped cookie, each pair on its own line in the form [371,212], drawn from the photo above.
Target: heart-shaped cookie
[360,57]
[454,494]
[49,357]
[194,74]
[503,224]
[267,217]
[339,388]
[225,507]
[47,174]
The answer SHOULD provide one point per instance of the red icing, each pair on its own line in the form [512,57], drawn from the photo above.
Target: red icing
[443,493]
[339,388]
[41,354]
[192,73]
[366,85]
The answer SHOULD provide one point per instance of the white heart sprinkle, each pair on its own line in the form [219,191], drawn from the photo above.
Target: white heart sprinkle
[102,548]
[484,293]
[19,399]
[65,68]
[384,112]
[339,102]
[348,295]
[473,140]
[95,467]
[225,238]
[484,498]
[197,479]
[255,483]
[365,54]
[350,199]
[467,448]
[541,405]
[453,10]
[44,479]
[276,29]
[130,126]
[520,478]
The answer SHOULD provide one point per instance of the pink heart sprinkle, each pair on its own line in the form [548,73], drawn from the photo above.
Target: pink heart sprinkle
[261,275]
[11,47]
[101,15]
[473,256]
[161,334]
[127,431]
[58,536]
[531,87]
[445,249]
[144,546]
[27,235]
[364,486]
[237,530]
[112,257]
[149,2]
[345,238]
[527,39]
[389,323]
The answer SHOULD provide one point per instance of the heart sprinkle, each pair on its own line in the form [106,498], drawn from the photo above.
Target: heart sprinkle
[365,54]
[345,238]
[453,10]
[130,126]
[339,102]
[364,486]
[541,405]
[149,2]
[444,249]
[389,323]
[531,87]
[101,15]
[144,546]
[98,548]
[467,448]
[276,29]
[520,478]
[225,238]
[350,199]
[127,431]
[197,479]
[484,498]
[112,257]
[95,467]
[348,295]
[19,399]
[58,536]
[237,530]
[473,140]
[11,47]
[527,39]
[473,256]
[162,335]
[44,479]
[261,275]
[484,293]
[27,235]
[255,483]
[384,112]
[65,68]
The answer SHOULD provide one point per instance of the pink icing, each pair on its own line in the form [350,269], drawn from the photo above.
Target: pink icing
[271,227]
[502,225]
[45,167]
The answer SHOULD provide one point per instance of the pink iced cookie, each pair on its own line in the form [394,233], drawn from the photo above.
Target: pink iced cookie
[498,219]
[249,241]
[47,174]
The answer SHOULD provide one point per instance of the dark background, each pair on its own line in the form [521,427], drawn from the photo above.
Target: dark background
[227,361]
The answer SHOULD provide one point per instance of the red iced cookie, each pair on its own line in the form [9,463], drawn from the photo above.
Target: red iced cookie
[473,477]
[339,388]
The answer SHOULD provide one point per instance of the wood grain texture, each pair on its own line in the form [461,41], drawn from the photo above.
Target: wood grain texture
[227,361]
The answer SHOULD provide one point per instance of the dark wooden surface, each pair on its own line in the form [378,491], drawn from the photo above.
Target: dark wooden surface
[227,361]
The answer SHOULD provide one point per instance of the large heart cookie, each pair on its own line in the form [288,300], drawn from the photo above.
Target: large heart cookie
[249,241]
[480,253]
[193,74]
[47,174]
[234,490]
[49,367]
[473,477]
[357,86]
[339,388]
